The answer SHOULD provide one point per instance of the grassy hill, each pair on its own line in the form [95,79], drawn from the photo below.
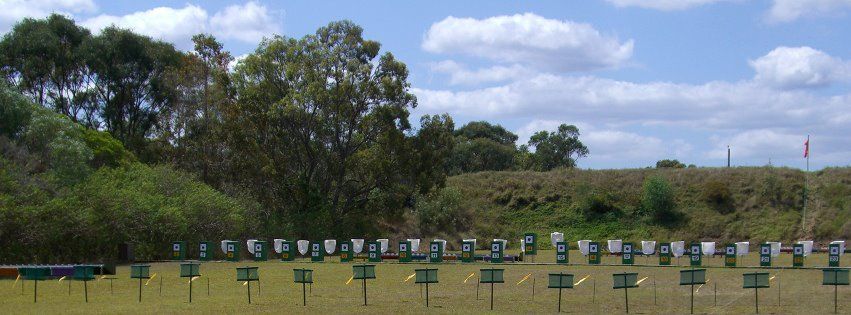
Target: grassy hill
[721,204]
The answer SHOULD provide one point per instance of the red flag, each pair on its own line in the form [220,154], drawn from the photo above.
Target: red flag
[807,148]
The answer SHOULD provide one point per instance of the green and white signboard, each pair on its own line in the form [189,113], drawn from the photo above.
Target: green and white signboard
[178,250]
[497,252]
[627,257]
[260,250]
[530,241]
[317,252]
[594,253]
[560,281]
[798,255]
[562,253]
[287,251]
[665,254]
[231,249]
[730,255]
[405,251]
[345,251]
[374,251]
[468,252]
[765,255]
[205,251]
[435,252]
[833,255]
[695,254]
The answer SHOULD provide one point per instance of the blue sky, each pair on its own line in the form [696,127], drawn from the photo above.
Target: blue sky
[643,79]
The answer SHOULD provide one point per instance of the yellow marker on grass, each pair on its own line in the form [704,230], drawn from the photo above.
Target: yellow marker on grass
[580,280]
[350,280]
[470,276]
[524,279]
[151,278]
[409,277]
[63,278]
[640,281]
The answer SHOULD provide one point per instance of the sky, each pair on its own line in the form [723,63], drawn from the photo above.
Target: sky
[643,80]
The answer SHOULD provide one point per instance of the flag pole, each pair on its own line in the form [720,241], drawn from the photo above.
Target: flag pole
[806,183]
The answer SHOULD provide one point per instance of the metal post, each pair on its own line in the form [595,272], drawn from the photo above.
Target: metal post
[654,291]
[69,287]
[594,290]
[478,283]
[208,286]
[559,298]
[110,286]
[778,290]
[491,296]
[190,290]
[364,291]
[426,293]
[533,287]
[35,292]
[140,290]
[304,293]
[249,292]
[835,303]
[716,294]
[626,297]
[86,290]
[161,286]
[692,294]
[756,300]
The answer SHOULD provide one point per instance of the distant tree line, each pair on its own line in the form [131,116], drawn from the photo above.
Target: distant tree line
[315,130]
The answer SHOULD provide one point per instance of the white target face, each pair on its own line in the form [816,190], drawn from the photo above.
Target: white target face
[560,248]
[495,247]
[695,250]
[434,247]
[834,250]
[203,247]
[731,251]
[627,248]
[664,249]
[230,247]
[466,247]
[315,247]
[372,247]
[403,247]
[285,247]
[530,239]
[258,247]
[592,248]
[765,250]
[344,247]
[176,247]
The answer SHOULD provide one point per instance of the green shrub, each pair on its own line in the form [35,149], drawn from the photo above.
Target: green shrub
[440,211]
[657,201]
[718,196]
[597,205]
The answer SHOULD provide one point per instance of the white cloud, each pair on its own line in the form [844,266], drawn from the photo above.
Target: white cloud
[760,144]
[12,11]
[247,23]
[460,75]
[663,5]
[797,67]
[530,39]
[164,23]
[791,10]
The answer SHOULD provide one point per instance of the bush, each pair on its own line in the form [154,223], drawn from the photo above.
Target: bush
[597,205]
[718,196]
[440,211]
[657,201]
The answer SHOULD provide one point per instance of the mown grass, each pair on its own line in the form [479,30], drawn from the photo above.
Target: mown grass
[800,290]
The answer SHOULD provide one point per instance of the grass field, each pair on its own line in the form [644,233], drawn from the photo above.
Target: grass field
[800,290]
